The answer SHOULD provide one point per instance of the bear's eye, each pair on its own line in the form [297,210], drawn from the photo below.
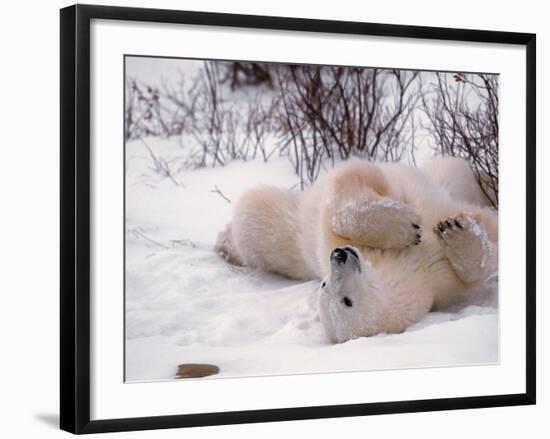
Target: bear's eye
[347,301]
[323,285]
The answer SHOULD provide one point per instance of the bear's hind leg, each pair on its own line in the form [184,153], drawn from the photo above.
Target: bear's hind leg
[468,247]
[264,232]
[225,248]
[359,210]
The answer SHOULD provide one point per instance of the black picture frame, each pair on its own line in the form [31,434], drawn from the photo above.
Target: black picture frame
[75,217]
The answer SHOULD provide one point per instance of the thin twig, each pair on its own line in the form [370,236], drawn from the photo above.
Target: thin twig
[139,233]
[217,190]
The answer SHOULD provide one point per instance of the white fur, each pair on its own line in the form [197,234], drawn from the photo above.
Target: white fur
[395,217]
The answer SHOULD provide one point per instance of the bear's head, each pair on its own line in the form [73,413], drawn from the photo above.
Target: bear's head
[349,298]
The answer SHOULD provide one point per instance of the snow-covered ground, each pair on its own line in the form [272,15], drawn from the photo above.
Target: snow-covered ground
[185,304]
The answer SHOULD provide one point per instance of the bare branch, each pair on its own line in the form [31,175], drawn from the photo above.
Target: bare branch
[217,190]
[463,114]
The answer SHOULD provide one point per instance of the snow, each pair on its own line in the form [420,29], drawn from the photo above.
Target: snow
[185,304]
[482,235]
[159,70]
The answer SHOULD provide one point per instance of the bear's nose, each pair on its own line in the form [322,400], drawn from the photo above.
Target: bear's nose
[339,256]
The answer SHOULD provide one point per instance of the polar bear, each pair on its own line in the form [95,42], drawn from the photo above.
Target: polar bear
[389,242]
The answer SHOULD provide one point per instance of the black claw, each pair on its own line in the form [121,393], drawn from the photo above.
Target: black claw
[458,224]
[416,226]
[418,236]
[441,227]
[448,224]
